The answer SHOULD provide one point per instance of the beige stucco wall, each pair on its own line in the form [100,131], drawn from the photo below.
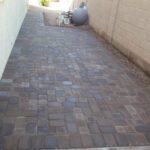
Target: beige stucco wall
[76,3]
[102,15]
[125,24]
[12,13]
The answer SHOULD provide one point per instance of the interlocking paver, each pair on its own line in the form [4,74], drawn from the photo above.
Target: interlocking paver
[38,141]
[57,123]
[122,139]
[56,116]
[143,128]
[10,142]
[67,88]
[51,142]
[24,142]
[98,140]
[93,127]
[110,140]
[87,140]
[63,141]
[7,129]
[31,128]
[75,141]
[137,139]
[72,127]
[107,129]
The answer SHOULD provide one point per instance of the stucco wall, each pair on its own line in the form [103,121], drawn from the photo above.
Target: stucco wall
[125,24]
[12,13]
[76,3]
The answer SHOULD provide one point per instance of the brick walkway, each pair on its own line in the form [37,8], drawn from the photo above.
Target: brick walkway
[64,88]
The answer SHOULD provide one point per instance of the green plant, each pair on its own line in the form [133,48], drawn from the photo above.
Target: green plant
[45,2]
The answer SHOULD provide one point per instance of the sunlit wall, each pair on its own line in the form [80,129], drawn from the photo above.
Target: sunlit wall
[12,13]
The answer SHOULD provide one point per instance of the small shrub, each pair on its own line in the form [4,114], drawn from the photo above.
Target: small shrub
[45,2]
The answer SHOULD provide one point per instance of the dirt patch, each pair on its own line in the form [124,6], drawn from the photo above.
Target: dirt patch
[51,19]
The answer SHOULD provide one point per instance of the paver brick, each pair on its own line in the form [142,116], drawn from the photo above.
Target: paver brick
[7,129]
[75,141]
[93,128]
[56,116]
[38,142]
[57,123]
[10,142]
[87,141]
[31,128]
[65,88]
[121,139]
[98,140]
[110,140]
[51,142]
[24,142]
[137,139]
[63,141]
[72,127]
[107,129]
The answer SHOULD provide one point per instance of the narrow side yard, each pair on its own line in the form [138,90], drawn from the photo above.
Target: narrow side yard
[64,88]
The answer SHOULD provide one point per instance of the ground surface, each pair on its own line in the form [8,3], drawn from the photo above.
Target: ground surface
[64,88]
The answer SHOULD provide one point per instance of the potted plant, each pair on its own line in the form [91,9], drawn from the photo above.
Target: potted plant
[45,2]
